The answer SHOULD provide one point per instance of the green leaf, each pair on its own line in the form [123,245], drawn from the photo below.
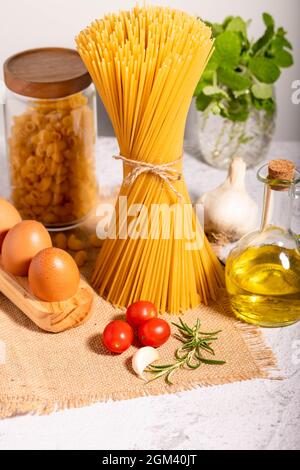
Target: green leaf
[262,42]
[281,32]
[262,91]
[245,57]
[268,105]
[260,45]
[238,25]
[208,75]
[280,42]
[283,58]
[268,20]
[227,21]
[233,80]
[228,49]
[264,69]
[202,102]
[238,110]
[215,91]
[213,63]
[217,29]
[199,88]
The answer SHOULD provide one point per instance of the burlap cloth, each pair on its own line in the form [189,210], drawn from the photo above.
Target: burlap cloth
[44,372]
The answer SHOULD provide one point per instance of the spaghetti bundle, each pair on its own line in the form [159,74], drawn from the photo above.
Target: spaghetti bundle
[145,64]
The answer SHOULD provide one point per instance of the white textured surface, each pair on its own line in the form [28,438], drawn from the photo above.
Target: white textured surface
[248,415]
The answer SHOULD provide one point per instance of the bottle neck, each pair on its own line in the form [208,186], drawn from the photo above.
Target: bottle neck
[277,210]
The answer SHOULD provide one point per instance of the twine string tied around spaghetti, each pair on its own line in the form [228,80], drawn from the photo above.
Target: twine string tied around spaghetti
[166,171]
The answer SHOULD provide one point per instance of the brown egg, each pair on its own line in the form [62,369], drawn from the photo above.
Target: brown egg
[21,244]
[9,217]
[54,275]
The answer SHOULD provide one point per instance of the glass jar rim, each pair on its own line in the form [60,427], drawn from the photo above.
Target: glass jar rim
[262,176]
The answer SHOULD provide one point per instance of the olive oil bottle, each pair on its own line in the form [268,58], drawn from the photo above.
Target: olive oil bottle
[263,271]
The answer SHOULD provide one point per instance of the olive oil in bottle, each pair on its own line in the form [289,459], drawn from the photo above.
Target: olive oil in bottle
[264,285]
[263,271]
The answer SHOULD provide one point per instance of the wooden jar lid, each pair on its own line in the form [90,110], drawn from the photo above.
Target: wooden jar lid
[47,73]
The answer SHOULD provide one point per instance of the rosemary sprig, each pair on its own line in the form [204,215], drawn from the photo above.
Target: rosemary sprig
[190,354]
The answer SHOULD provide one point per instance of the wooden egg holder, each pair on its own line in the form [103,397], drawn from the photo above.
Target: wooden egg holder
[49,316]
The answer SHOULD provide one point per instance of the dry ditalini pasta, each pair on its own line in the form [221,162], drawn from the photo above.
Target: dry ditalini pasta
[146,64]
[51,150]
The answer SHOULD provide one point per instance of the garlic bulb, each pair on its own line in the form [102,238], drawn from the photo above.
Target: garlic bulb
[229,212]
[142,359]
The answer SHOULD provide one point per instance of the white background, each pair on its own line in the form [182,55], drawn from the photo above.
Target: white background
[35,23]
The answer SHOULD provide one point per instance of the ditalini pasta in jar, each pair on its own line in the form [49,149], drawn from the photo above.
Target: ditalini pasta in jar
[50,127]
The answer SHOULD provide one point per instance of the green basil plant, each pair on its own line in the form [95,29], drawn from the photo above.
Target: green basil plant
[241,73]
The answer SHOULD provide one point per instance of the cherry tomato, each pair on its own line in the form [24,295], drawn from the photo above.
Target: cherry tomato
[139,312]
[154,332]
[118,336]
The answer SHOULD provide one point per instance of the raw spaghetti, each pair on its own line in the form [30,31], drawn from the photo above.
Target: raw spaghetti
[146,63]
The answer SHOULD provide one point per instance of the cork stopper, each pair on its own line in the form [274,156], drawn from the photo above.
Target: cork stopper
[281,170]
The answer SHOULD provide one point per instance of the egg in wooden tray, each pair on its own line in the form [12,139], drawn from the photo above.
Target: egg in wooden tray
[42,281]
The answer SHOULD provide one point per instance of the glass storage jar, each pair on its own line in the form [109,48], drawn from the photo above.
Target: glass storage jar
[50,134]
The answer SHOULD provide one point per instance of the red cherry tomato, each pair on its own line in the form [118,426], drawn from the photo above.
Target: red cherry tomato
[154,332]
[118,336]
[140,312]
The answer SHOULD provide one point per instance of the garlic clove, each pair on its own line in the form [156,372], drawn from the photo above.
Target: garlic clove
[142,359]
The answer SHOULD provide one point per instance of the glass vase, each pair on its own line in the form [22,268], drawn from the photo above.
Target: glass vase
[221,140]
